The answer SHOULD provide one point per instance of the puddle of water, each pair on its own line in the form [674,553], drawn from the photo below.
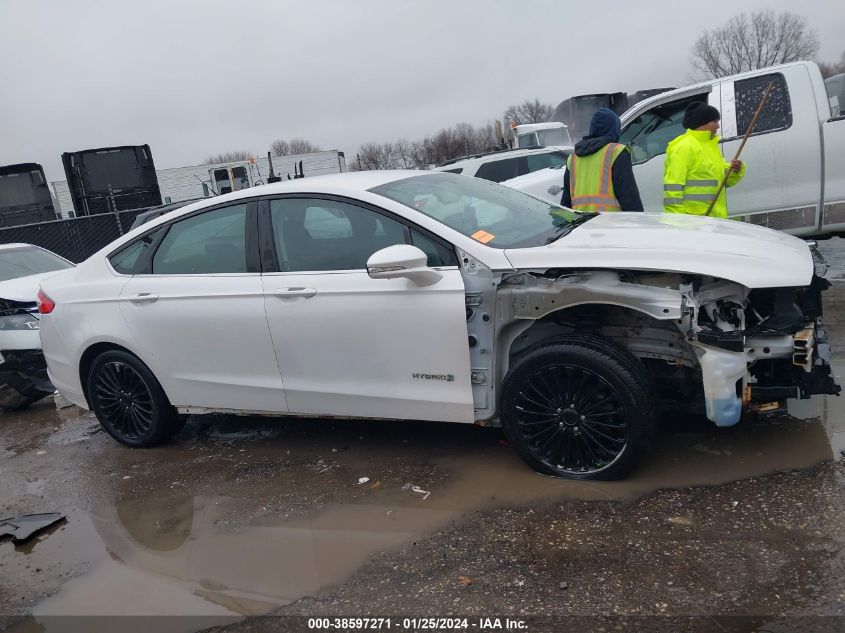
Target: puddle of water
[167,556]
[173,553]
[42,424]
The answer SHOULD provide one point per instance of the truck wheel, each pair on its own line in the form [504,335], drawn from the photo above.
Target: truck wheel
[129,402]
[578,407]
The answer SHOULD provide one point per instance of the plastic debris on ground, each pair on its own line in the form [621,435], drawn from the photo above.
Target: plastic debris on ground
[417,489]
[25,527]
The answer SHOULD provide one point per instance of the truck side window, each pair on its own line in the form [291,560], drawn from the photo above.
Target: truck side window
[777,115]
[650,133]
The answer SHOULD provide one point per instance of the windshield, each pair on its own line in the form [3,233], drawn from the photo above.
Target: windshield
[489,213]
[22,262]
[556,136]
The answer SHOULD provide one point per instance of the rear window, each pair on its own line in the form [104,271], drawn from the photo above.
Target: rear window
[777,115]
[507,168]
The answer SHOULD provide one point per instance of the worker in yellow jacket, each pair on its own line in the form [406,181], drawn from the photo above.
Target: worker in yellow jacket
[695,166]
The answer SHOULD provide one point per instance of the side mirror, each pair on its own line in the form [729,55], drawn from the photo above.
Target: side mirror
[402,260]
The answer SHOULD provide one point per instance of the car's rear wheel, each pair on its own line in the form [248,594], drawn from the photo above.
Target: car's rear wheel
[579,407]
[129,402]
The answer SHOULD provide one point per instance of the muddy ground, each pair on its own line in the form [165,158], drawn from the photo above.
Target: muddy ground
[737,529]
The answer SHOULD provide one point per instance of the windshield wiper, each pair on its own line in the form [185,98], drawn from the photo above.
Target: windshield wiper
[565,229]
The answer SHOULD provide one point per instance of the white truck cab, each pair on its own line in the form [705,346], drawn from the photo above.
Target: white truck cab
[796,156]
[551,134]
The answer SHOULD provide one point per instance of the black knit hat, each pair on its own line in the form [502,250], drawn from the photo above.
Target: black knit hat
[698,113]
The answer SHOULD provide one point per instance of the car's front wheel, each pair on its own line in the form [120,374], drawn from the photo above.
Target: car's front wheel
[129,402]
[578,407]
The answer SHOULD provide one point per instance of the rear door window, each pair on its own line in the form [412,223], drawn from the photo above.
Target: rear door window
[544,161]
[776,115]
[213,242]
[505,169]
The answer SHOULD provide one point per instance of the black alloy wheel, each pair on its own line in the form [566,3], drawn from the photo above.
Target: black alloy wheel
[129,402]
[125,400]
[572,418]
[578,407]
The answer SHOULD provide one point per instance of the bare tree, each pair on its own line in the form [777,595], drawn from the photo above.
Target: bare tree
[280,148]
[748,42]
[834,68]
[529,112]
[292,147]
[376,156]
[227,157]
[451,142]
[301,146]
[406,154]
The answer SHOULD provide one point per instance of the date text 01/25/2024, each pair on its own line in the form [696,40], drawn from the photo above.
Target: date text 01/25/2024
[416,624]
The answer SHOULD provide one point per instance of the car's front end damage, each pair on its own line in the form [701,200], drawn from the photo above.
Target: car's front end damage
[758,348]
[23,371]
[722,314]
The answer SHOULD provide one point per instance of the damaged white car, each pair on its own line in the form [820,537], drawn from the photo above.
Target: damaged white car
[23,373]
[432,296]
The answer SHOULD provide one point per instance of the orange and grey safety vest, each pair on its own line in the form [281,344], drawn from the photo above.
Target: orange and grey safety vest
[591,179]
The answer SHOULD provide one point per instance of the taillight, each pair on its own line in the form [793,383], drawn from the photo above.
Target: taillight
[45,304]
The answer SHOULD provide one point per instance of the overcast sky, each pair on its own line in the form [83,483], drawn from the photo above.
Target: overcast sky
[196,78]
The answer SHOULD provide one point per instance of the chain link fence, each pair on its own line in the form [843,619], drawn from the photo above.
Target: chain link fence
[74,239]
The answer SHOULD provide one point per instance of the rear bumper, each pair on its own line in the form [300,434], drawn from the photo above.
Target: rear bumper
[23,377]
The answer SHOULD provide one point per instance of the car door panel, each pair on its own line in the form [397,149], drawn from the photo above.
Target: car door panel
[350,345]
[217,323]
[187,300]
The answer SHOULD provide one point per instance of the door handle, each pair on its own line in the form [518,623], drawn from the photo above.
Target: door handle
[555,189]
[284,293]
[143,297]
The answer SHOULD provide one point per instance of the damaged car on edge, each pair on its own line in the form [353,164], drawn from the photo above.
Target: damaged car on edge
[432,296]
[23,373]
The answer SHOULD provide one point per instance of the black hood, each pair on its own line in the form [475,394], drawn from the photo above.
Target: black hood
[590,145]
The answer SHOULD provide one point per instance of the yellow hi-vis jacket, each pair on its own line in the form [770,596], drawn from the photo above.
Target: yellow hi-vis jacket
[694,170]
[591,179]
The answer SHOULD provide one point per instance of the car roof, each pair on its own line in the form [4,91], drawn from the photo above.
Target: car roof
[344,183]
[14,245]
[494,156]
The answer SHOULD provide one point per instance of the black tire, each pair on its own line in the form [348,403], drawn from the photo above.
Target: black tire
[129,402]
[607,421]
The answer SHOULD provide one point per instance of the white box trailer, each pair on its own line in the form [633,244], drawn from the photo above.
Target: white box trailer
[202,181]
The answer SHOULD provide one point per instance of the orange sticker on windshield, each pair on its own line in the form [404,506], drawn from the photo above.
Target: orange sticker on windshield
[482,236]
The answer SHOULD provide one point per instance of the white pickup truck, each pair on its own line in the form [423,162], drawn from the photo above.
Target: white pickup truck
[796,155]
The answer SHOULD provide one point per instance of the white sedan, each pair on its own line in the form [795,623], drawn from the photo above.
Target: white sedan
[23,374]
[409,295]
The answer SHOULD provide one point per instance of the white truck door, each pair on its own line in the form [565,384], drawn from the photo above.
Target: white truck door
[834,170]
[349,345]
[781,188]
[650,132]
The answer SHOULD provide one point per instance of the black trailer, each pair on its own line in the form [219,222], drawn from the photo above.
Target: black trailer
[110,179]
[576,112]
[641,95]
[24,195]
